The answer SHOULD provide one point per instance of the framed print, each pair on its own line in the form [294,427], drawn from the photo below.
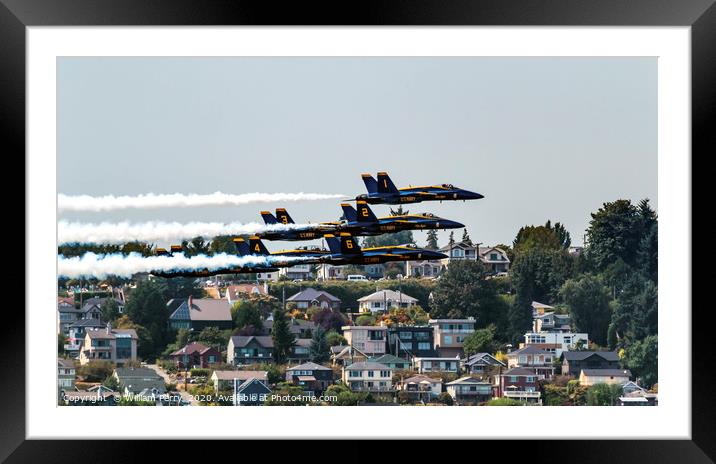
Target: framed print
[298,225]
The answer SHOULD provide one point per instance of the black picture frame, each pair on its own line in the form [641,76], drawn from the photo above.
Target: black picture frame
[700,15]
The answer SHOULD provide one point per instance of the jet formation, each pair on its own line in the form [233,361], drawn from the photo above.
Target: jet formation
[341,235]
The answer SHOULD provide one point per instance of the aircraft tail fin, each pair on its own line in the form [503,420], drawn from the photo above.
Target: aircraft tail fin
[365,214]
[349,212]
[269,218]
[385,185]
[334,244]
[161,252]
[349,245]
[257,247]
[242,248]
[283,216]
[370,183]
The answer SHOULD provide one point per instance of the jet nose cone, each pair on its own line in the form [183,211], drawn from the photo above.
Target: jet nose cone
[473,195]
[434,255]
[445,224]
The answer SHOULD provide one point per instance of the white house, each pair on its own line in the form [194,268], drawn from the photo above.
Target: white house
[368,376]
[383,300]
[495,259]
[300,271]
[555,342]
[425,268]
[327,271]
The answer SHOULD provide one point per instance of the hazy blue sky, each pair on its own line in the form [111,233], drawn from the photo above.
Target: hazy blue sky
[541,138]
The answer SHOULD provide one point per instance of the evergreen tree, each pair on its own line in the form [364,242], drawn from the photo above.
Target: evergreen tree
[451,241]
[110,310]
[432,240]
[319,350]
[588,301]
[466,237]
[147,307]
[283,339]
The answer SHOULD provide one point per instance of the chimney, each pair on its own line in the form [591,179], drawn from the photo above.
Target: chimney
[190,302]
[109,328]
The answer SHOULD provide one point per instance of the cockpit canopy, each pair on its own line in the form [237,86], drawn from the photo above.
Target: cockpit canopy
[448,186]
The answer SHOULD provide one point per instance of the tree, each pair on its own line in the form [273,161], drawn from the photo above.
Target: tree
[451,240]
[432,240]
[283,339]
[365,320]
[647,258]
[213,336]
[143,249]
[445,399]
[196,246]
[635,314]
[562,235]
[396,238]
[466,237]
[481,341]
[111,382]
[61,341]
[329,319]
[463,291]
[222,244]
[146,307]
[542,237]
[503,402]
[588,301]
[602,394]
[616,231]
[247,313]
[508,250]
[110,310]
[335,339]
[538,274]
[643,361]
[320,350]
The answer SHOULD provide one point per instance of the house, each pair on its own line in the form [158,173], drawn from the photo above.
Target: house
[195,354]
[100,396]
[408,341]
[252,392]
[67,314]
[482,364]
[374,271]
[394,362]
[65,375]
[589,377]
[76,332]
[552,322]
[253,349]
[540,308]
[299,271]
[520,384]
[311,297]
[421,387]
[300,351]
[424,268]
[345,355]
[459,251]
[450,335]
[574,361]
[199,313]
[224,380]
[531,357]
[495,259]
[383,300]
[555,342]
[267,276]
[469,390]
[139,382]
[312,377]
[634,395]
[327,271]
[370,340]
[115,345]
[301,328]
[368,376]
[240,292]
[423,365]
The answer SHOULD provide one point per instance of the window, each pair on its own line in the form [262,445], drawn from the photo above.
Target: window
[424,346]
[385,373]
[405,335]
[447,339]
[370,373]
[212,358]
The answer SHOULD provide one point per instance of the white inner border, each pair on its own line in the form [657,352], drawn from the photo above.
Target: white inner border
[671,419]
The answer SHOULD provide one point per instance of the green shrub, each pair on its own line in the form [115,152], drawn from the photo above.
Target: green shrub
[200,372]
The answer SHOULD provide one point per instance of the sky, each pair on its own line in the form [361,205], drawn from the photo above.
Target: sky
[541,138]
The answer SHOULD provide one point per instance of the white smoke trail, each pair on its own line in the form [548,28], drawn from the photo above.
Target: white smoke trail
[152,200]
[123,232]
[101,266]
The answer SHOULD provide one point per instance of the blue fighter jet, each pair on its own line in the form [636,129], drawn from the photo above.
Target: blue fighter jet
[384,192]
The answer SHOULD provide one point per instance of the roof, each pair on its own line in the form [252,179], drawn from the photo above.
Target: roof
[529,349]
[236,291]
[241,375]
[136,373]
[607,372]
[366,327]
[255,383]
[191,348]
[422,378]
[487,357]
[88,323]
[581,355]
[306,378]
[295,326]
[203,309]
[389,295]
[389,359]
[367,366]
[466,379]
[311,294]
[309,366]
[447,321]
[538,305]
[463,245]
[66,363]
[113,334]
[263,340]
[519,371]
[144,386]
[485,250]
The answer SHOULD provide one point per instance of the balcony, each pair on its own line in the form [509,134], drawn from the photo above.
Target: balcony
[522,394]
[364,388]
